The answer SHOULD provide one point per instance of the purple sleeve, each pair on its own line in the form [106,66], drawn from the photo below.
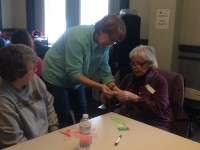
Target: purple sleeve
[158,102]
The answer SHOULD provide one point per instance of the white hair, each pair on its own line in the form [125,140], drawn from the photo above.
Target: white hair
[147,53]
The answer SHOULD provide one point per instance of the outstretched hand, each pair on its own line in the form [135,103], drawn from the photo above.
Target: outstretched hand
[126,95]
[105,90]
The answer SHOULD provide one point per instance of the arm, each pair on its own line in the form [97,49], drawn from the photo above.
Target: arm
[126,95]
[52,117]
[48,99]
[104,73]
[11,131]
[84,80]
[156,103]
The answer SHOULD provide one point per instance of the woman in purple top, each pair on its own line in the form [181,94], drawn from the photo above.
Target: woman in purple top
[144,94]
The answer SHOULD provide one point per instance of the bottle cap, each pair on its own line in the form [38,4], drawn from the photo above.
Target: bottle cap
[85,115]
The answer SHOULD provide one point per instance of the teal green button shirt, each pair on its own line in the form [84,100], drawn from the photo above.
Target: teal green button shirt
[73,54]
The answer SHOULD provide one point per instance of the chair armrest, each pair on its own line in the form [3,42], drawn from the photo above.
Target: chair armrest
[182,124]
[181,128]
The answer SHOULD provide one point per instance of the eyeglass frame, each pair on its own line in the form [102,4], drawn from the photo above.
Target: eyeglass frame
[34,68]
[135,64]
[114,41]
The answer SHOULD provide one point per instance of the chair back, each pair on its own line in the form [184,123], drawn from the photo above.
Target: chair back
[175,90]
[181,123]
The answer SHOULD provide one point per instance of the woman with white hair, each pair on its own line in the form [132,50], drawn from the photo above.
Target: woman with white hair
[144,94]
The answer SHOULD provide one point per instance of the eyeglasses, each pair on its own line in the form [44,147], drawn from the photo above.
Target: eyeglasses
[34,68]
[137,64]
[113,40]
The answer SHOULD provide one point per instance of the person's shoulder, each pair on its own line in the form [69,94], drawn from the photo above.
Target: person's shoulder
[3,87]
[81,29]
[6,96]
[128,77]
[158,77]
[37,80]
[157,74]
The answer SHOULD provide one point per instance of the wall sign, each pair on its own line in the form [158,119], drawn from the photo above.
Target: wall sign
[162,18]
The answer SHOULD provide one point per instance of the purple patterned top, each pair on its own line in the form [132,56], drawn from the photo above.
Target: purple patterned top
[152,108]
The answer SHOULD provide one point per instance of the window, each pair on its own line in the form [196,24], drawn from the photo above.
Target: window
[56,22]
[55,19]
[93,10]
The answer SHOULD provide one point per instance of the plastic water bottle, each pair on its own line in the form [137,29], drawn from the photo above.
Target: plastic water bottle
[85,138]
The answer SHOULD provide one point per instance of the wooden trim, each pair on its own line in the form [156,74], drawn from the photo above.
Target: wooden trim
[189,48]
[188,58]
[144,41]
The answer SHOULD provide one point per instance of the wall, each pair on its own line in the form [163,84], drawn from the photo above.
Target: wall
[162,39]
[190,20]
[143,8]
[190,26]
[13,13]
[184,29]
[39,18]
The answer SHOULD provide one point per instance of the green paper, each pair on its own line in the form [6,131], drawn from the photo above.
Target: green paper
[121,126]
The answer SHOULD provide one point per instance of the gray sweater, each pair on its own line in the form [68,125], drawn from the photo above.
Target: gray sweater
[25,114]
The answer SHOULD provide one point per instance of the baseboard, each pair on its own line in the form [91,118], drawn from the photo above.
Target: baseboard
[191,93]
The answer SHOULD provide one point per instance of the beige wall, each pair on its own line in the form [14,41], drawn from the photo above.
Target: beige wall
[184,25]
[190,26]
[163,39]
[143,8]
[190,20]
[13,13]
[190,23]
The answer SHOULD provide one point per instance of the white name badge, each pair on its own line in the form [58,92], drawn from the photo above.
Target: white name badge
[150,89]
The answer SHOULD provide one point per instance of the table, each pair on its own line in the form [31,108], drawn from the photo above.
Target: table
[139,137]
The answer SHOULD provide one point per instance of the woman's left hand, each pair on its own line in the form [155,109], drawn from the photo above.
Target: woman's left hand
[105,89]
[126,95]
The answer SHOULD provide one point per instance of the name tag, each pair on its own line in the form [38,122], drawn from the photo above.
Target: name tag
[150,89]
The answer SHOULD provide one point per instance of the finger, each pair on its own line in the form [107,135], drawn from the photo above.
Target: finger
[108,92]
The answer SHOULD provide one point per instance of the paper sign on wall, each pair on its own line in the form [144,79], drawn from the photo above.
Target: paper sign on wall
[162,18]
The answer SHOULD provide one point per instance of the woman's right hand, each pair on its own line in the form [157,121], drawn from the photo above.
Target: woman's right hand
[106,90]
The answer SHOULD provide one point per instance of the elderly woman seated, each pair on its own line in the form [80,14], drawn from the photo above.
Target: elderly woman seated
[26,107]
[144,92]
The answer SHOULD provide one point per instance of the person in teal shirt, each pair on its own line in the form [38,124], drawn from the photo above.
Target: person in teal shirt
[81,52]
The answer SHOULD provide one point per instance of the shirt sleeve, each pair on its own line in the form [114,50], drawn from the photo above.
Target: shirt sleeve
[74,59]
[104,71]
[10,129]
[51,114]
[52,117]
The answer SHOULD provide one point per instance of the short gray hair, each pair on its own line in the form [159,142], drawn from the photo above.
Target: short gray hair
[14,59]
[145,52]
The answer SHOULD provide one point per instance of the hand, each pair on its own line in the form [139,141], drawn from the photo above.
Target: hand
[104,98]
[118,90]
[105,90]
[126,95]
[121,95]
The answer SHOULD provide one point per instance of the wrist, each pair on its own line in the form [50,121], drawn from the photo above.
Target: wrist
[113,87]
[137,99]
